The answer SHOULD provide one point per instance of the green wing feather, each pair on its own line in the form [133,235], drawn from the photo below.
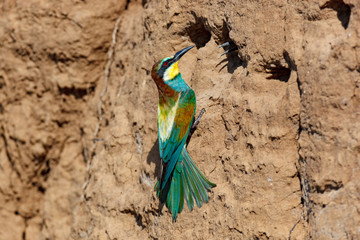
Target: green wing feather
[170,148]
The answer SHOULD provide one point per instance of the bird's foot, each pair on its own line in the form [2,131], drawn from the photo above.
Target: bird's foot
[230,48]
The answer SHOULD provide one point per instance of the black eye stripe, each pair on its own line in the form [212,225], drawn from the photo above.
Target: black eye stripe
[163,67]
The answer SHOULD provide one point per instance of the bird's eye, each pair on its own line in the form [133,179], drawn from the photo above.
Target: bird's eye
[166,64]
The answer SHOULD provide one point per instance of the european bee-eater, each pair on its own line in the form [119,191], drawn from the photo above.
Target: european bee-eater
[180,178]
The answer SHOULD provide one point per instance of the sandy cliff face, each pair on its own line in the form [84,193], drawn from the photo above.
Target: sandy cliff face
[280,136]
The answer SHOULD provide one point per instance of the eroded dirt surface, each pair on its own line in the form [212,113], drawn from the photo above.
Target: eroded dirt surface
[280,136]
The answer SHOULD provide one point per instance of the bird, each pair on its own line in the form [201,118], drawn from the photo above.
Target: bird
[180,178]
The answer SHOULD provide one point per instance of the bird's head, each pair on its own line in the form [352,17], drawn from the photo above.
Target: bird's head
[167,68]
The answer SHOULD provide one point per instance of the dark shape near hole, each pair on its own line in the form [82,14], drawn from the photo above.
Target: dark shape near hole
[232,58]
[198,33]
[279,72]
[343,11]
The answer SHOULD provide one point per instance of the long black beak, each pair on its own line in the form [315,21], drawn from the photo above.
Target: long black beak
[181,53]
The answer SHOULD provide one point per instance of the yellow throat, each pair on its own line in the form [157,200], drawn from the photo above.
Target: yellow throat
[171,72]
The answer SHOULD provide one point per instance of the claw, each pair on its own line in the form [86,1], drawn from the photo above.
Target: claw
[224,45]
[230,50]
[227,44]
[224,53]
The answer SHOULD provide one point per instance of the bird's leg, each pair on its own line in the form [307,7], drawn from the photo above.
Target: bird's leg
[194,125]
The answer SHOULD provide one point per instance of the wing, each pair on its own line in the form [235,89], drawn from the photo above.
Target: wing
[172,140]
